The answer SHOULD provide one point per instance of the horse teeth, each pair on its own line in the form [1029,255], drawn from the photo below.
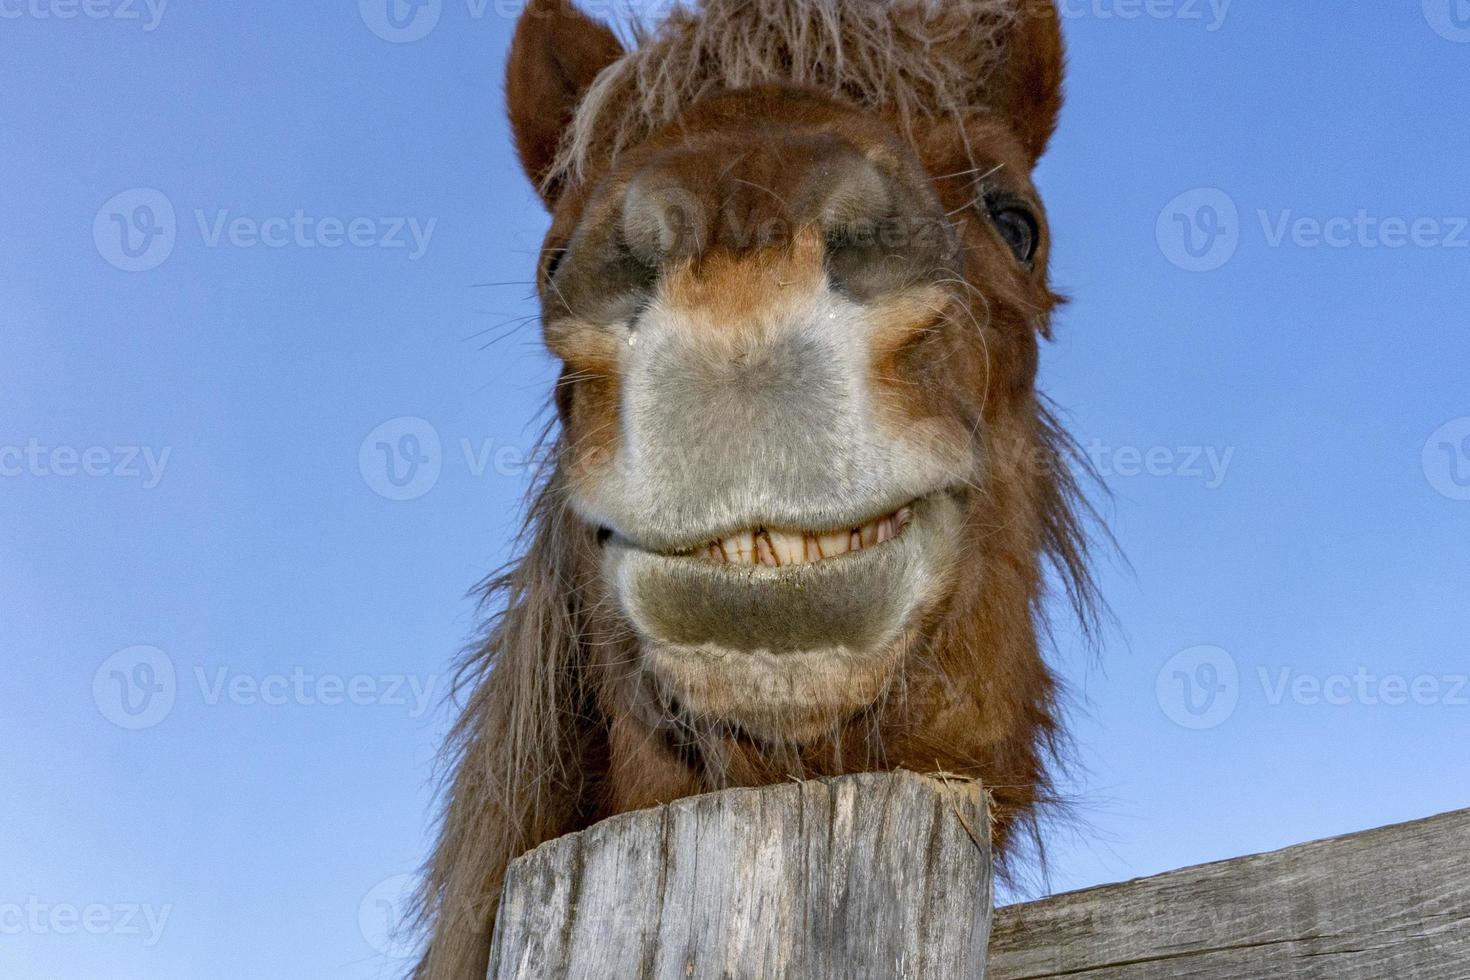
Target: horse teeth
[833,544]
[777,548]
[885,530]
[788,546]
[739,550]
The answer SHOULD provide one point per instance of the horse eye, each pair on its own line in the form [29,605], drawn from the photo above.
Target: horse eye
[1018,226]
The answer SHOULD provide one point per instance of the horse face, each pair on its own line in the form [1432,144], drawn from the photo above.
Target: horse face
[798,334]
[775,373]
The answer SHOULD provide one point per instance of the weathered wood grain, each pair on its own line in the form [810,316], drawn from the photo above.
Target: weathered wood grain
[1390,904]
[870,877]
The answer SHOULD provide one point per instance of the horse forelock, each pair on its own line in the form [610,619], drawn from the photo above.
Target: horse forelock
[912,58]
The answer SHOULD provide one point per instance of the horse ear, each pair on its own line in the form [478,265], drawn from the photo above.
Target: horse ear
[556,54]
[1026,89]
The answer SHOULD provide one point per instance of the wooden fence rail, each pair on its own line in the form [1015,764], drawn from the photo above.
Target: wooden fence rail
[1390,904]
[883,877]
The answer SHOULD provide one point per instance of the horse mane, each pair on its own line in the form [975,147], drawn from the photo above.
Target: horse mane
[914,58]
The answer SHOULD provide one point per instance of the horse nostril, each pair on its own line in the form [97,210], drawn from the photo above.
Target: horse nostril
[604,535]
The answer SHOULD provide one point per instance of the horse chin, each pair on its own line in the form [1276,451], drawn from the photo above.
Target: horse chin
[784,654]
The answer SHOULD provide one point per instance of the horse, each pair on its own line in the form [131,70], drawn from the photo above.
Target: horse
[803,509]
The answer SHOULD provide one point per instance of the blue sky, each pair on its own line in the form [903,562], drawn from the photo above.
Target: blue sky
[1260,213]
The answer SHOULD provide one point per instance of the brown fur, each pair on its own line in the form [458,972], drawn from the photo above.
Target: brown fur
[559,729]
[919,59]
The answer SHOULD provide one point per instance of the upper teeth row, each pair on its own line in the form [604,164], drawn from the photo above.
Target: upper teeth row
[776,548]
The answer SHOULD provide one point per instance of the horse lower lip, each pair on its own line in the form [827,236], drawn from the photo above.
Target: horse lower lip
[855,604]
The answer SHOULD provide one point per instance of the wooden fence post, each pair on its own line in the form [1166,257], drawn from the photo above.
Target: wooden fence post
[866,877]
